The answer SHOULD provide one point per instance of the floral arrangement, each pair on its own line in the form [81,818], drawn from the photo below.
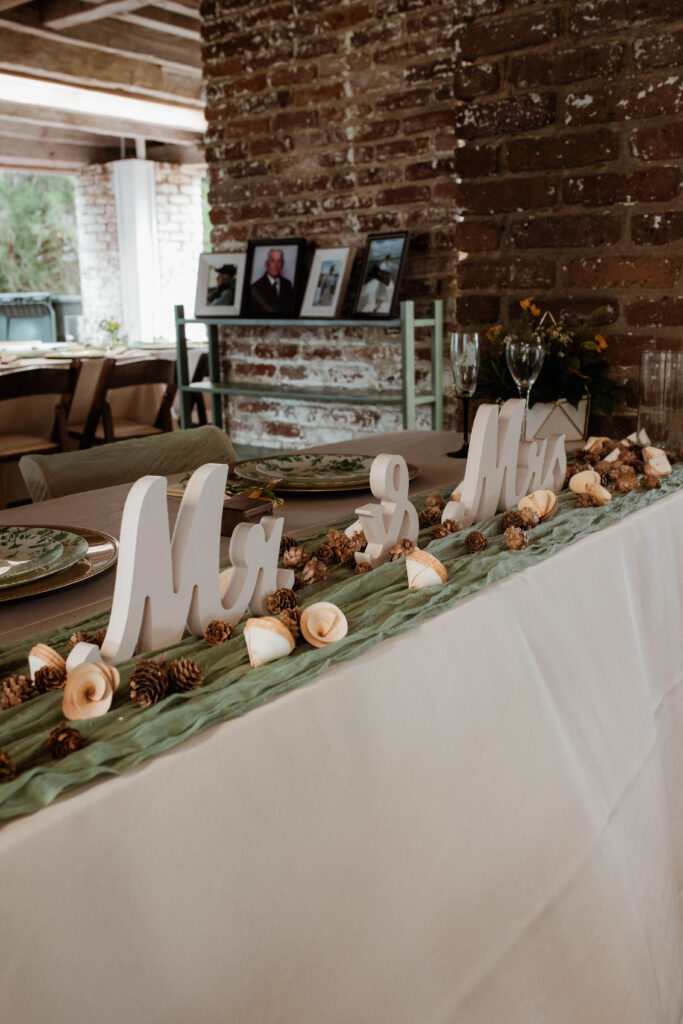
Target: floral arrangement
[573,366]
[113,329]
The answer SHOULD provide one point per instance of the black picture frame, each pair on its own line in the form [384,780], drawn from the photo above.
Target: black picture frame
[378,294]
[262,301]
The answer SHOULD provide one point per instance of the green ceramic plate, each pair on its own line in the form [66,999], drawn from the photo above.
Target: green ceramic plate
[46,550]
[303,472]
[101,553]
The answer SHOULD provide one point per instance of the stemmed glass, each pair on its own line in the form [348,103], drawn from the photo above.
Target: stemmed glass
[524,359]
[465,365]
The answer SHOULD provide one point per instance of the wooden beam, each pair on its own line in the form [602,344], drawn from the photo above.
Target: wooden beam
[97,124]
[164,21]
[63,14]
[188,8]
[177,154]
[11,128]
[8,5]
[38,54]
[27,153]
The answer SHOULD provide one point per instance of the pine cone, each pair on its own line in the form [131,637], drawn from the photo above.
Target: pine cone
[510,518]
[217,632]
[435,501]
[475,541]
[343,549]
[16,690]
[336,537]
[586,500]
[516,538]
[569,474]
[401,549]
[362,568]
[78,638]
[286,543]
[184,675]
[429,516]
[149,682]
[626,483]
[8,770]
[446,528]
[294,557]
[298,582]
[290,619]
[529,518]
[49,678]
[325,553]
[603,468]
[651,480]
[63,740]
[99,636]
[314,571]
[281,599]
[361,541]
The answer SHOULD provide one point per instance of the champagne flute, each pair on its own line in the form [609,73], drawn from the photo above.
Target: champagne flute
[524,359]
[465,365]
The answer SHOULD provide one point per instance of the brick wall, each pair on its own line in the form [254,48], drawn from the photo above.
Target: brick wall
[180,232]
[98,250]
[531,149]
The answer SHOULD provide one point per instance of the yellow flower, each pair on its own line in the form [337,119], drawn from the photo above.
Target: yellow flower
[602,344]
[535,310]
[525,303]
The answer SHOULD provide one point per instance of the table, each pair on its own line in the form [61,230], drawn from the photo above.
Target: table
[480,821]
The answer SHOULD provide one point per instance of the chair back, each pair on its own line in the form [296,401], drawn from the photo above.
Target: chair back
[40,380]
[181,451]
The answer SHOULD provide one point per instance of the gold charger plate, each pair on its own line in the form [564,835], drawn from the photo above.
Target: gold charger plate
[311,472]
[102,553]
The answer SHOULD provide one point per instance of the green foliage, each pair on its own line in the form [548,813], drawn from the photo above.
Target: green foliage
[38,246]
[573,363]
[112,328]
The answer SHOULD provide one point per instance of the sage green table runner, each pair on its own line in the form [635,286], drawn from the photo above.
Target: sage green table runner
[377,605]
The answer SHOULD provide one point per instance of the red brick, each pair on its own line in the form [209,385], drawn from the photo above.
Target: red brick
[477,309]
[657,228]
[663,50]
[505,196]
[430,169]
[281,429]
[327,93]
[473,80]
[568,150]
[403,196]
[292,120]
[663,312]
[506,34]
[377,130]
[590,17]
[625,349]
[477,161]
[401,148]
[477,236]
[508,116]
[430,71]
[620,272]
[626,101]
[264,350]
[661,142]
[568,64]
[566,231]
[251,369]
[506,273]
[427,122]
[403,100]
[653,185]
[293,74]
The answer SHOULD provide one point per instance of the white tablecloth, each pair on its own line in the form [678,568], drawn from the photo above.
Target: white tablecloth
[480,822]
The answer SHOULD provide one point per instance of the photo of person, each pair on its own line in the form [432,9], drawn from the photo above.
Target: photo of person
[327,280]
[384,260]
[327,283]
[221,291]
[271,288]
[220,282]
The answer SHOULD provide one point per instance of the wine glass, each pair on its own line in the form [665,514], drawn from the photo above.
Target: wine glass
[465,365]
[525,359]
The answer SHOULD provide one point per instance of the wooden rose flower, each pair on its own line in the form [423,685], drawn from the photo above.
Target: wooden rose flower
[89,690]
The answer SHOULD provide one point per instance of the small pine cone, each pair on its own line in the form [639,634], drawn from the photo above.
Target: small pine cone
[314,571]
[442,530]
[429,516]
[294,557]
[624,472]
[184,675]
[529,518]
[16,690]
[435,500]
[344,551]
[325,553]
[290,619]
[286,543]
[281,599]
[49,678]
[510,518]
[99,636]
[336,537]
[217,632]
[586,500]
[590,457]
[149,682]
[298,582]
[8,770]
[361,568]
[78,638]
[516,538]
[651,481]
[401,549]
[475,541]
[603,469]
[569,474]
[626,483]
[357,541]
[63,740]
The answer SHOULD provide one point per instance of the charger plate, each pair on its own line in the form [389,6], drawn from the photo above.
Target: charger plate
[100,552]
[53,550]
[312,472]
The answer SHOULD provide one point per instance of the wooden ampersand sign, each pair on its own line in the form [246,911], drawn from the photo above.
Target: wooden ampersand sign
[501,468]
[395,518]
[164,585]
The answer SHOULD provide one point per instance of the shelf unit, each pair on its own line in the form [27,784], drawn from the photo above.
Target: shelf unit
[408,399]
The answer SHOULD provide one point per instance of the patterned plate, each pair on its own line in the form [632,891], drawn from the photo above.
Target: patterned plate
[72,547]
[100,553]
[303,472]
[24,550]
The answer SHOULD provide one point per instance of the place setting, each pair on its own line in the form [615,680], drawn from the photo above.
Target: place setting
[36,560]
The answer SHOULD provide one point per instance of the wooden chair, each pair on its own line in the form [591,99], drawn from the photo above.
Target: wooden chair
[59,381]
[101,425]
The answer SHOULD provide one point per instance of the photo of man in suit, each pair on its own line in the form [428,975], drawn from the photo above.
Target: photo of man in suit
[271,294]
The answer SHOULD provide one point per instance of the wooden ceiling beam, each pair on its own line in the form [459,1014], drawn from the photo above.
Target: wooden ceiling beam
[188,8]
[96,124]
[14,129]
[27,51]
[28,153]
[171,154]
[164,21]
[63,14]
[8,5]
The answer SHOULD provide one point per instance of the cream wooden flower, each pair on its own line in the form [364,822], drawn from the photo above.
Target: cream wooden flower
[323,623]
[424,570]
[580,481]
[42,656]
[599,493]
[543,503]
[656,459]
[89,690]
[267,640]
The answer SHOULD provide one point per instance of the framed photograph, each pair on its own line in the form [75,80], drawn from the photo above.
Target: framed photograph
[380,279]
[220,283]
[327,282]
[273,277]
